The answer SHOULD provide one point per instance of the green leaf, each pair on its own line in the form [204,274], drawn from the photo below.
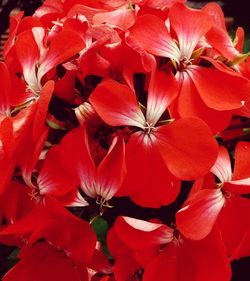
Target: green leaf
[100,227]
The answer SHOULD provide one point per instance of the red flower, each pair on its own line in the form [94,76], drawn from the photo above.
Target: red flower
[101,180]
[38,56]
[201,92]
[177,147]
[220,203]
[58,249]
[161,253]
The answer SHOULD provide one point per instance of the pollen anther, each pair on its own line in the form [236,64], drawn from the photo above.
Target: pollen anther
[33,194]
[149,128]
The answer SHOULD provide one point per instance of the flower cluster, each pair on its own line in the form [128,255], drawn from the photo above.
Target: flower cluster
[102,100]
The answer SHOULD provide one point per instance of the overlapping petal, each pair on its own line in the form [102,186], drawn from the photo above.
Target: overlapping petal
[218,36]
[163,89]
[232,219]
[139,234]
[112,169]
[183,146]
[5,90]
[190,104]
[78,159]
[7,148]
[241,167]
[155,185]
[189,32]
[117,104]
[215,94]
[55,180]
[222,168]
[28,55]
[63,46]
[197,218]
[152,35]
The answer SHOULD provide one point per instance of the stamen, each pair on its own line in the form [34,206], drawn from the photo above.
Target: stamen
[185,62]
[34,194]
[57,22]
[219,185]
[103,204]
[149,128]
[29,89]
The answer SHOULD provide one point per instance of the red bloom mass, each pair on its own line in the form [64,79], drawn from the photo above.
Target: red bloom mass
[109,112]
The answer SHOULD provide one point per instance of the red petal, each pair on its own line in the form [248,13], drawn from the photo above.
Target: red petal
[183,146]
[125,268]
[15,202]
[28,23]
[218,36]
[190,25]
[222,167]
[163,89]
[239,38]
[202,263]
[195,258]
[6,138]
[46,211]
[238,186]
[196,219]
[240,183]
[28,55]
[78,159]
[208,182]
[36,135]
[22,123]
[14,25]
[138,234]
[19,94]
[36,265]
[100,262]
[5,90]
[222,43]
[111,170]
[54,7]
[151,34]
[64,88]
[74,236]
[72,199]
[62,47]
[165,265]
[42,108]
[55,180]
[92,63]
[123,17]
[86,11]
[117,104]
[155,185]
[191,105]
[242,161]
[216,15]
[214,93]
[30,151]
[78,26]
[7,148]
[243,249]
[234,222]
[162,4]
